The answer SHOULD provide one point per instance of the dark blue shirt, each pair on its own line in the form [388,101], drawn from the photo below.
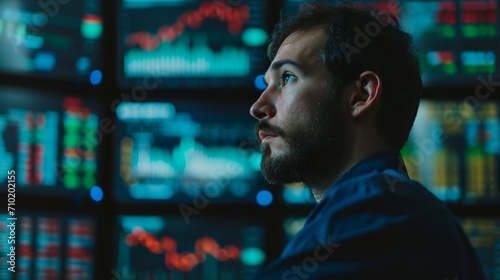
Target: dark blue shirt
[376,223]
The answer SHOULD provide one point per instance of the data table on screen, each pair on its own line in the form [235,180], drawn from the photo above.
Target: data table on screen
[51,246]
[50,141]
[454,150]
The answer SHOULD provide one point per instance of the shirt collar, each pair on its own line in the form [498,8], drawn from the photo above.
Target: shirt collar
[390,159]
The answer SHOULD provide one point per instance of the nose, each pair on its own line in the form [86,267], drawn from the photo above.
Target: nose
[264,106]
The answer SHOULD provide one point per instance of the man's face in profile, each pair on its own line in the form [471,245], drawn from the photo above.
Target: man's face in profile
[301,128]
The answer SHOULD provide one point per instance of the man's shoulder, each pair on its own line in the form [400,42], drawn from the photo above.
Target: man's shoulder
[381,223]
[387,185]
[367,206]
[372,226]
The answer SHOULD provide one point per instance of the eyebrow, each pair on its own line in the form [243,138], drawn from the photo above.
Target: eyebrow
[279,63]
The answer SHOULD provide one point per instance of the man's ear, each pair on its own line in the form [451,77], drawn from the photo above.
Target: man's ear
[366,94]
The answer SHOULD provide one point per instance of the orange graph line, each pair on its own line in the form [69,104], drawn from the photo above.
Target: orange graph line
[234,16]
[184,261]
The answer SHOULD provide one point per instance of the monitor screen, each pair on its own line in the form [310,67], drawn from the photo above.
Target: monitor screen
[49,141]
[154,247]
[47,247]
[456,41]
[484,234]
[179,151]
[192,43]
[454,150]
[55,39]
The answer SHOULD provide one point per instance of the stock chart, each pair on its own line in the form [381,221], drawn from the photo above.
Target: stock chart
[178,151]
[50,247]
[154,247]
[192,43]
[50,141]
[454,150]
[456,41]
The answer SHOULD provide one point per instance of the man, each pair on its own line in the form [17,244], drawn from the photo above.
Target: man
[342,93]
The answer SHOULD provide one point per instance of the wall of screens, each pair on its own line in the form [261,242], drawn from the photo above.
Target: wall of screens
[175,147]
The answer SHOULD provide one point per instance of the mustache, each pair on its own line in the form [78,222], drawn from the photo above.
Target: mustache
[268,127]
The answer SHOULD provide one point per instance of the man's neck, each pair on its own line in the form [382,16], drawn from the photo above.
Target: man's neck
[320,187]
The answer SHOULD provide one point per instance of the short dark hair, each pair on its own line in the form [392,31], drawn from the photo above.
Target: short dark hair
[361,39]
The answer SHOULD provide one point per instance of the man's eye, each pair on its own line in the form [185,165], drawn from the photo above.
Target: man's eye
[287,78]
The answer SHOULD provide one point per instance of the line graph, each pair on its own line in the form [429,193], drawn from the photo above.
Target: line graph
[192,44]
[174,159]
[235,17]
[166,247]
[179,60]
[184,261]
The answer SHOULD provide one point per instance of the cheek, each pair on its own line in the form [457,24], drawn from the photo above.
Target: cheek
[298,106]
[294,117]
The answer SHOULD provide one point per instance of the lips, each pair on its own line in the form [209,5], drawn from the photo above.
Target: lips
[265,135]
[266,131]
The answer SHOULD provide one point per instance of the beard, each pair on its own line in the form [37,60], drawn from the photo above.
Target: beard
[312,149]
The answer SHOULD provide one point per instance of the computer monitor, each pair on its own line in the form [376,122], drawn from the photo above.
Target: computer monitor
[484,234]
[47,246]
[167,247]
[50,141]
[192,44]
[454,150]
[51,39]
[172,152]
